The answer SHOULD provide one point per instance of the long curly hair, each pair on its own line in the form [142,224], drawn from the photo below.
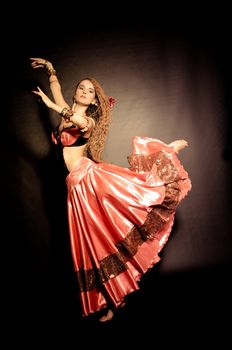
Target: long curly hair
[101,113]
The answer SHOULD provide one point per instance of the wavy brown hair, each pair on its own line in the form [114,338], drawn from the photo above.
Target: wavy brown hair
[101,113]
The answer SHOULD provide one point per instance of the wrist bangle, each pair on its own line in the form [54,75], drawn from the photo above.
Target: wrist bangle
[51,72]
[46,64]
[66,113]
[87,125]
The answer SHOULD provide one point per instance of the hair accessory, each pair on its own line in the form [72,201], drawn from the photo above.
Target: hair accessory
[112,101]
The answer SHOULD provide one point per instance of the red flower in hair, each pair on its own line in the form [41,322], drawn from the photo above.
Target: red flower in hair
[111,101]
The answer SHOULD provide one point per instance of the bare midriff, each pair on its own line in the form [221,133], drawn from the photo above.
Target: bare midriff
[72,155]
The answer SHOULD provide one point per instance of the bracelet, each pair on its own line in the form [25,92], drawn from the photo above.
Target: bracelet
[64,110]
[66,113]
[87,125]
[51,72]
[46,64]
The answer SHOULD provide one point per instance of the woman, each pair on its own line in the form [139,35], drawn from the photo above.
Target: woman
[119,218]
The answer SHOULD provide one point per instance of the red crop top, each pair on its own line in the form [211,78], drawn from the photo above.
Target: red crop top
[69,137]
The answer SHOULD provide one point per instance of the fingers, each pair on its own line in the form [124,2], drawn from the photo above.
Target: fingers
[37,62]
[37,59]
[39,92]
[37,65]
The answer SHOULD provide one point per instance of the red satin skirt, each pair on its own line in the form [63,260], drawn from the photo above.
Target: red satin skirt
[120,218]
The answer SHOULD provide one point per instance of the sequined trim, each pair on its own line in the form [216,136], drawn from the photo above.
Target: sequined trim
[166,170]
[114,264]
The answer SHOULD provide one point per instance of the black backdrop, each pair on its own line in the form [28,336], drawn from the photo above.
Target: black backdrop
[169,70]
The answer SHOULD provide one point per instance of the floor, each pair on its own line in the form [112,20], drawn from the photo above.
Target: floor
[180,309]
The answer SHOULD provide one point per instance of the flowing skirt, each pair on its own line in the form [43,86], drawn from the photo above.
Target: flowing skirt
[120,219]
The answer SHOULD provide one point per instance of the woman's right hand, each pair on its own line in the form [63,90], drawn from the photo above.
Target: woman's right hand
[65,123]
[41,63]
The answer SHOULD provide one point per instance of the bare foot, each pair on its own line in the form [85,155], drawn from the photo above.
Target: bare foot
[178,145]
[107,317]
[122,304]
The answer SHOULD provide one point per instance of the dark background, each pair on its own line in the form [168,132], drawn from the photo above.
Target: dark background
[169,68]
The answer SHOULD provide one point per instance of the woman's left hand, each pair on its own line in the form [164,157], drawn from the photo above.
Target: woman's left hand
[46,100]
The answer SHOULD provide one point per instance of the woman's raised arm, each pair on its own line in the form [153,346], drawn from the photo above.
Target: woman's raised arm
[53,80]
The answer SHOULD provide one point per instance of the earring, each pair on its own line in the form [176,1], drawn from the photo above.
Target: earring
[74,99]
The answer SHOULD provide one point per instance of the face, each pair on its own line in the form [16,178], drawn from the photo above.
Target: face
[85,93]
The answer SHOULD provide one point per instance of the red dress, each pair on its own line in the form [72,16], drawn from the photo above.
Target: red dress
[120,218]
